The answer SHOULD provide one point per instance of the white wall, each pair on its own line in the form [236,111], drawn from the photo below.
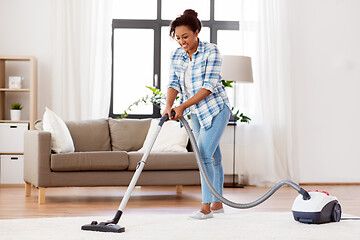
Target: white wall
[325,67]
[25,30]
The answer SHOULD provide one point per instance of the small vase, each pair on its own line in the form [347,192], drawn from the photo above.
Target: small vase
[15,115]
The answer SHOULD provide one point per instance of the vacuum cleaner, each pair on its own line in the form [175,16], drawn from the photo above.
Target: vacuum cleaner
[309,207]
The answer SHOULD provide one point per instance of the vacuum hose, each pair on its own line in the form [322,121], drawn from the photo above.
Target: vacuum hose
[194,145]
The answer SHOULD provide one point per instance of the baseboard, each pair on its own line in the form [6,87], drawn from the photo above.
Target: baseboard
[228,179]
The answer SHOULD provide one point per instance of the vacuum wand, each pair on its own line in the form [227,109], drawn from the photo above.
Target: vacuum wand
[111,225]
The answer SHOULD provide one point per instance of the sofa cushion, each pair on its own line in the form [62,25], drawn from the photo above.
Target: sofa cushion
[90,135]
[89,161]
[164,161]
[171,138]
[128,134]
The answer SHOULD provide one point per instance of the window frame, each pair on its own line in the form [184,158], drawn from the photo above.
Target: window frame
[156,25]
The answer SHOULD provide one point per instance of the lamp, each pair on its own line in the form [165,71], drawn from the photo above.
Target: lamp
[236,69]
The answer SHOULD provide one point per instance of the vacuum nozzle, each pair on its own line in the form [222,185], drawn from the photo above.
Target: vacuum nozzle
[109,226]
[103,227]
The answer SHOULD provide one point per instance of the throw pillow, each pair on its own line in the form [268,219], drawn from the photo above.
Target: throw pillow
[128,134]
[61,141]
[98,139]
[171,138]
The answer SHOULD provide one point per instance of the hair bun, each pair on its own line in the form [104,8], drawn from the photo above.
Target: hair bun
[190,12]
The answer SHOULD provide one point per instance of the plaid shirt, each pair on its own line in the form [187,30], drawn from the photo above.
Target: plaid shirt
[205,74]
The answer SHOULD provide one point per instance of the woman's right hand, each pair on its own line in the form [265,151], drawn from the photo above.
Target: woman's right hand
[168,112]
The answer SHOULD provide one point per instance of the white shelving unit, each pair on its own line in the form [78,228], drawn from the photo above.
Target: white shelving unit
[12,132]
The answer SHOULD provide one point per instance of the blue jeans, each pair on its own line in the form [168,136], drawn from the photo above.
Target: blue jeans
[208,143]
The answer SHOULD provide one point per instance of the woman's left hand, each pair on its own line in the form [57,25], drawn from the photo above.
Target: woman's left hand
[179,111]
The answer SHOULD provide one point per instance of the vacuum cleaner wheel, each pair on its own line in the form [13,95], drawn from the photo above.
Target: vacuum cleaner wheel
[336,213]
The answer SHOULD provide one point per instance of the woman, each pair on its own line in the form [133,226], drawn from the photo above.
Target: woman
[195,75]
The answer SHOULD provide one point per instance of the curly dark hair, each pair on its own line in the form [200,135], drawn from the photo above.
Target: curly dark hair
[188,18]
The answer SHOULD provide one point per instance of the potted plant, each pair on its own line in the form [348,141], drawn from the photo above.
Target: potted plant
[15,112]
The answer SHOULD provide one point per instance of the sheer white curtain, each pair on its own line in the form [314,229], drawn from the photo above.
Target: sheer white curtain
[81,39]
[265,145]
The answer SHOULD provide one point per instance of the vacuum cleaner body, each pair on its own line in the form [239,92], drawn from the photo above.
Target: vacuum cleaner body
[320,208]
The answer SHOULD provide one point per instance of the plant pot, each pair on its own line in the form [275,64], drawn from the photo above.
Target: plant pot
[15,115]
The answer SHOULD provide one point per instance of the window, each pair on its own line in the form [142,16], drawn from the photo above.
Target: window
[141,45]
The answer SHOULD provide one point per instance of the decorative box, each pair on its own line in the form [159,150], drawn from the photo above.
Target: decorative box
[15,82]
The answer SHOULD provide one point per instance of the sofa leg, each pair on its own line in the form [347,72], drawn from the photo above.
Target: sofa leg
[41,197]
[179,189]
[27,189]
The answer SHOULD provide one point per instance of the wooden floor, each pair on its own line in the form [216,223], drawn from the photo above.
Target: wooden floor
[104,201]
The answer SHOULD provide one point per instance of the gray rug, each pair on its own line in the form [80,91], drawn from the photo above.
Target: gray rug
[239,225]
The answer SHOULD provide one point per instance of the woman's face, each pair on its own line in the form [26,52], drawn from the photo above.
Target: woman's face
[187,39]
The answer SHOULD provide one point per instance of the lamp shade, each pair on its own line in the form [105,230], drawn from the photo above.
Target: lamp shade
[236,68]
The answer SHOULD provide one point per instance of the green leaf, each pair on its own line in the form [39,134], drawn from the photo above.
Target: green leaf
[16,106]
[227,83]
[240,116]
[153,89]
